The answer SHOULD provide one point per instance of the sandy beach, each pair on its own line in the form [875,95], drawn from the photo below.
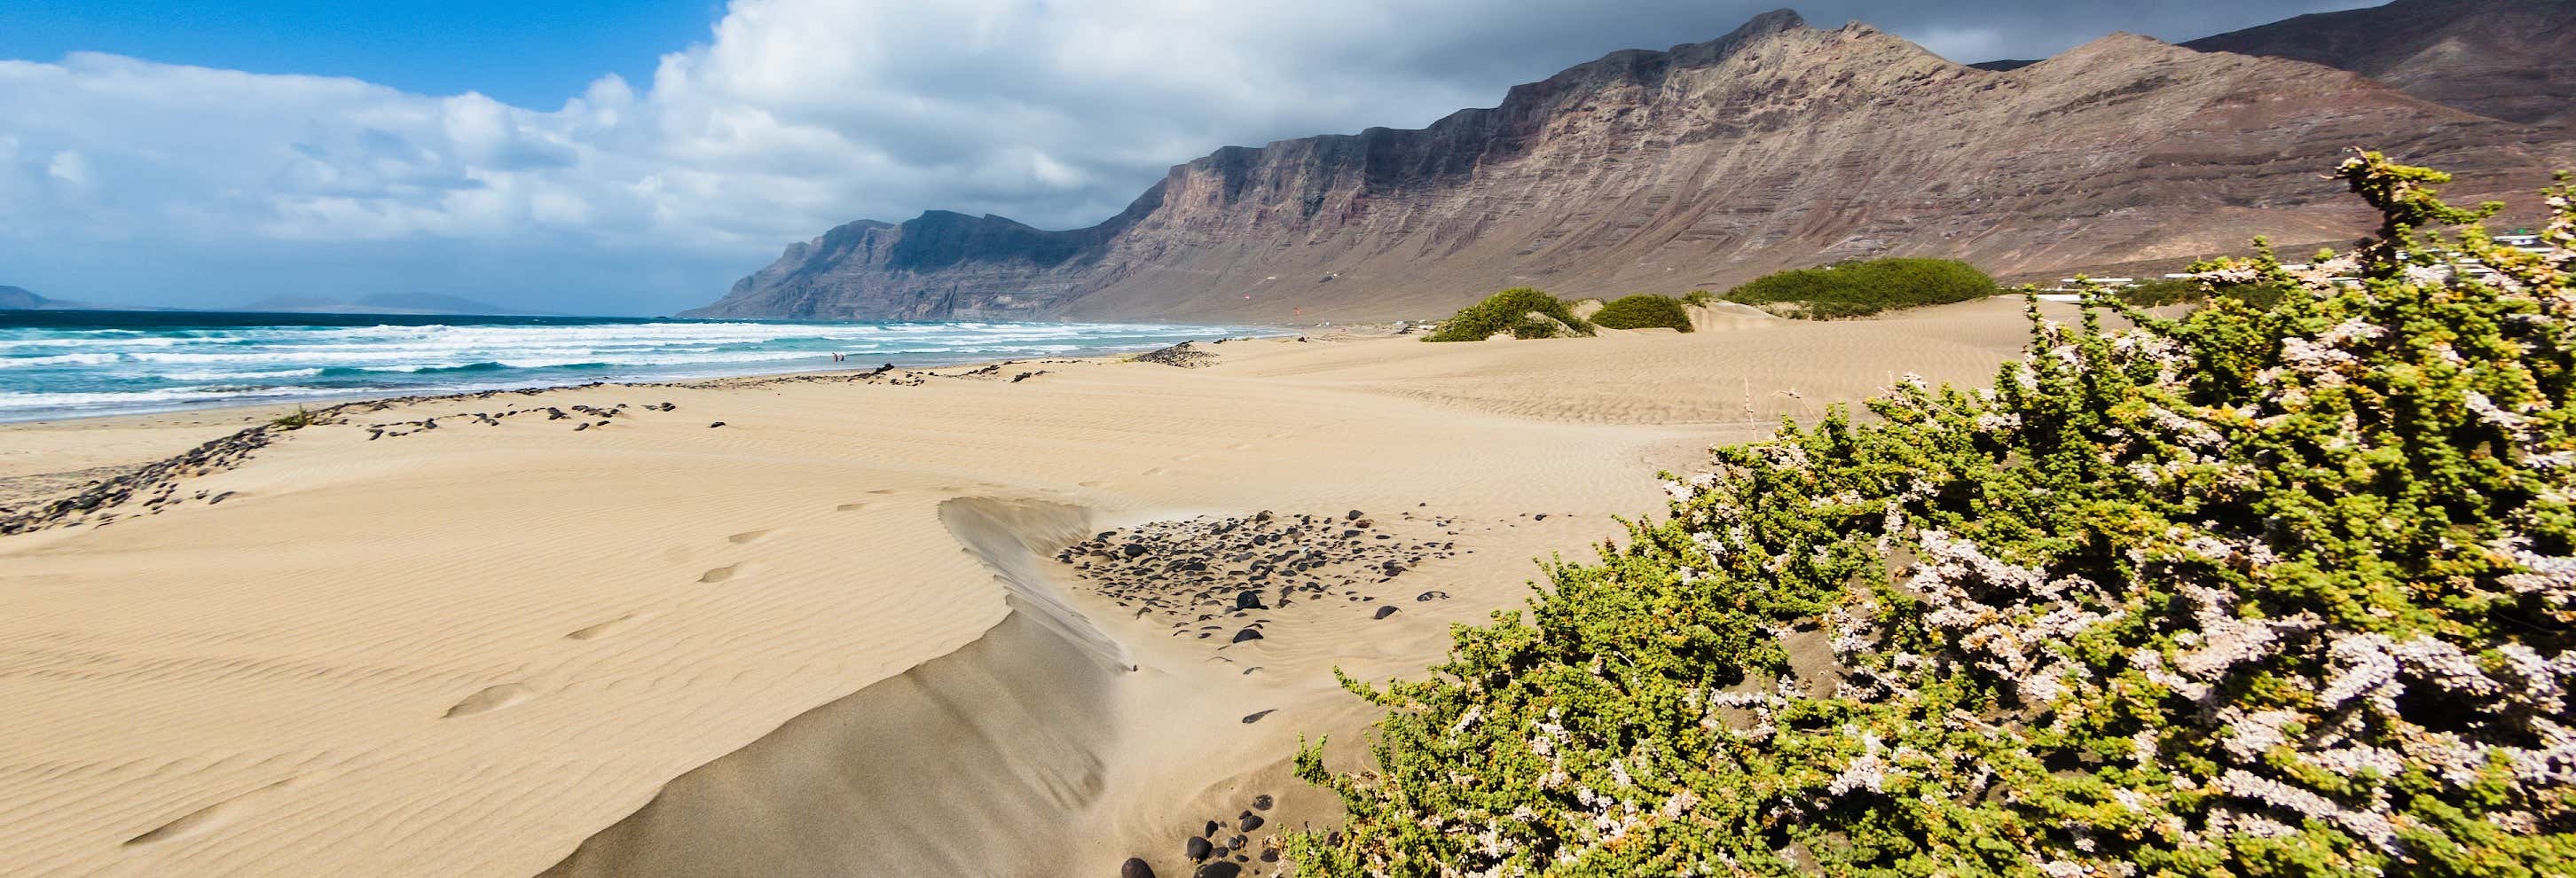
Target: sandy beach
[864,627]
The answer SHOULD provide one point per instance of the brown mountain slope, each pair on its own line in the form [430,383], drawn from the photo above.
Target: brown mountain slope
[1779,145]
[2510,59]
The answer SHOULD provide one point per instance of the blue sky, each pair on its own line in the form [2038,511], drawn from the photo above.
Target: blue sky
[531,53]
[638,157]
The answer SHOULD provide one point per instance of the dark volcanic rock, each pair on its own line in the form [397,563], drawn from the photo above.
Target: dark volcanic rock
[1198,848]
[1135,868]
[1182,355]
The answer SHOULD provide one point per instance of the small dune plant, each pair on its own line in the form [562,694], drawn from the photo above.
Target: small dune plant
[1865,287]
[1520,312]
[2255,591]
[1643,312]
[296,420]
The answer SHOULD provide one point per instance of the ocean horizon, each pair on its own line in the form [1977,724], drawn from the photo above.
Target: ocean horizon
[75,363]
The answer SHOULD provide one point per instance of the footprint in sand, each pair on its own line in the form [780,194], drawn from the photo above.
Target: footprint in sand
[1155,471]
[850,507]
[1239,446]
[1091,484]
[749,537]
[206,819]
[604,629]
[494,698]
[726,574]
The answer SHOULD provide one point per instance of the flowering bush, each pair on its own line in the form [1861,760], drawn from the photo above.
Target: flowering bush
[2282,591]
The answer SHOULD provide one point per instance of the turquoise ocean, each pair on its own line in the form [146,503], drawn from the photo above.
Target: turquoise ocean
[56,364]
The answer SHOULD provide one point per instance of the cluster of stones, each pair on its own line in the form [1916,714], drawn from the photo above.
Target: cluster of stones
[1183,355]
[1222,847]
[1206,576]
[994,372]
[584,417]
[157,483]
[886,375]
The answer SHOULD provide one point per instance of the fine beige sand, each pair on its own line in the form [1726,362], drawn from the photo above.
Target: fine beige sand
[827,638]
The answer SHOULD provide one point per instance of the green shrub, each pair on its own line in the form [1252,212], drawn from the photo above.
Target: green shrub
[1509,311]
[297,420]
[1699,298]
[2192,291]
[2282,591]
[1858,289]
[1643,312]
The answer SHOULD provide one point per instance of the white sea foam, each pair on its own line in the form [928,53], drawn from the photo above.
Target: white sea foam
[47,371]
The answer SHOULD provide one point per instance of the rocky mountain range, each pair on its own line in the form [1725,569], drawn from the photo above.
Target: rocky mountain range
[1779,145]
[2510,59]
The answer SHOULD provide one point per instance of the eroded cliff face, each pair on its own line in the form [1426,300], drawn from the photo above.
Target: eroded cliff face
[2509,59]
[1779,145]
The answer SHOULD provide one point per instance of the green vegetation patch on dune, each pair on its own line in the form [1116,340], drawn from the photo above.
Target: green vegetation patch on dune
[2255,591]
[1862,288]
[1521,311]
[1644,312]
[2195,291]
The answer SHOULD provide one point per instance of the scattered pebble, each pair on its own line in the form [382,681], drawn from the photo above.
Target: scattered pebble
[1196,574]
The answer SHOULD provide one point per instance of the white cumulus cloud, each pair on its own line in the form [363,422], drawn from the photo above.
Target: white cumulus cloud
[127,179]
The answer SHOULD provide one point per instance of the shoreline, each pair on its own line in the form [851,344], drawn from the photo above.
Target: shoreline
[289,395]
[513,637]
[20,484]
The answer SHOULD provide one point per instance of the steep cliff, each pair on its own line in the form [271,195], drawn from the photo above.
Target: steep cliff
[2510,59]
[1775,146]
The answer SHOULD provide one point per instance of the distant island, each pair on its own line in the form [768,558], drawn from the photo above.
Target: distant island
[20,299]
[23,299]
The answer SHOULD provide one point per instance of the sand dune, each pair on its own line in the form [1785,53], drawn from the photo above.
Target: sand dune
[824,638]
